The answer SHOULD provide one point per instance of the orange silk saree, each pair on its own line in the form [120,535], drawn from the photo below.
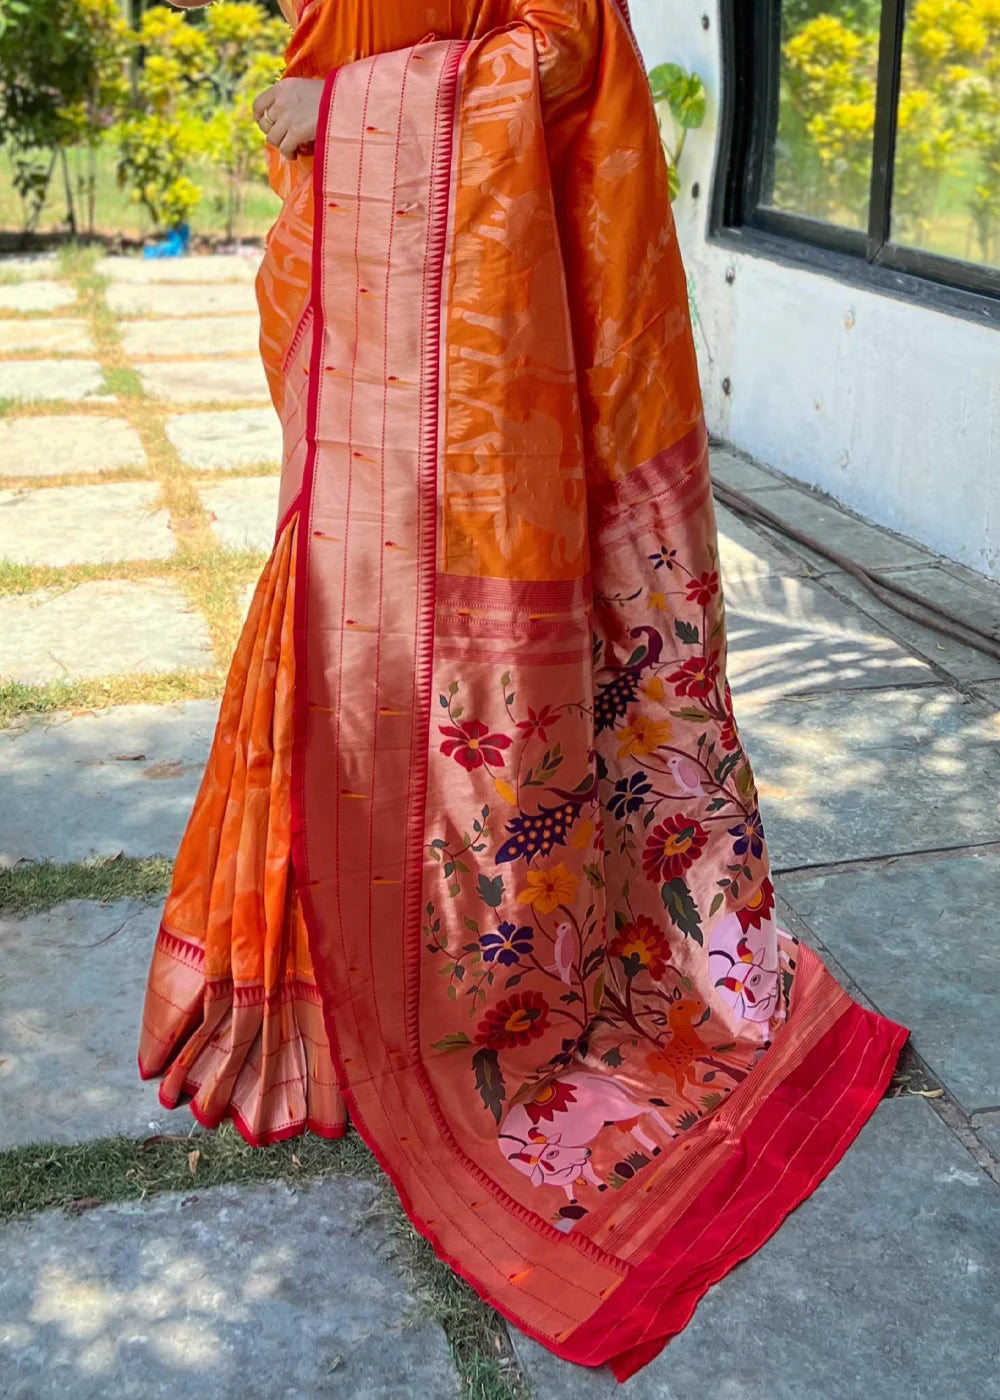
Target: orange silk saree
[477,858]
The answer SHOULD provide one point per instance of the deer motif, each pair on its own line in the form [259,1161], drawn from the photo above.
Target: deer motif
[685,1050]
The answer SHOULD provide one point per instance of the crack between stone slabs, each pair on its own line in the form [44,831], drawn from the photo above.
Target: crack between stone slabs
[882,862]
[826,581]
[947,1107]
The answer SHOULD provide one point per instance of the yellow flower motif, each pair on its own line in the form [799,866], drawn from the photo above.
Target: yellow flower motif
[642,735]
[655,688]
[658,602]
[505,790]
[547,889]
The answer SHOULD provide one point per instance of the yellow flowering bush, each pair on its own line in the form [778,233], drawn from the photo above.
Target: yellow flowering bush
[196,90]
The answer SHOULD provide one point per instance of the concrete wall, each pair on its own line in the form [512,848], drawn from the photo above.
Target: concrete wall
[891,408]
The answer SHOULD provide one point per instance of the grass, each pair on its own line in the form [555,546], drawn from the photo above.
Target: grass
[18,700]
[122,380]
[120,1169]
[41,885]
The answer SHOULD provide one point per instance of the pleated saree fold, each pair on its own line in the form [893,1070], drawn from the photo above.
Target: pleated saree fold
[477,860]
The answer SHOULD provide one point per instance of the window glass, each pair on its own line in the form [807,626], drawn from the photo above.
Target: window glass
[946,181]
[822,160]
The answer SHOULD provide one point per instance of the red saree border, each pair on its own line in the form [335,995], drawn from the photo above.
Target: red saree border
[837,1096]
[672,472]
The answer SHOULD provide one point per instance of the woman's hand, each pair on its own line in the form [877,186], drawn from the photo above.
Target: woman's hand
[288,113]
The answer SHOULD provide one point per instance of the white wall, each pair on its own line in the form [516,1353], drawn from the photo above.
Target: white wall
[891,408]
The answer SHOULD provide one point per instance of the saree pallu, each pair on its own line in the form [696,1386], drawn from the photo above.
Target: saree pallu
[477,858]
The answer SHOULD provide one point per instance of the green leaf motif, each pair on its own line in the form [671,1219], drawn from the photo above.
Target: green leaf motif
[489,1080]
[687,632]
[491,891]
[680,906]
[456,1041]
[594,875]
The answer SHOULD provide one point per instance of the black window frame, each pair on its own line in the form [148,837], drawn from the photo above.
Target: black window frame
[750,50]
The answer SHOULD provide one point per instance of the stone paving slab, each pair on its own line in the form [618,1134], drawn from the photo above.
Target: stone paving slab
[176,299]
[83,524]
[979,603]
[53,444]
[920,938]
[122,779]
[28,264]
[882,1283]
[825,521]
[742,474]
[109,627]
[197,381]
[211,267]
[208,335]
[856,774]
[61,334]
[35,380]
[743,552]
[245,511]
[35,296]
[72,982]
[225,1294]
[227,439]
[990,693]
[787,635]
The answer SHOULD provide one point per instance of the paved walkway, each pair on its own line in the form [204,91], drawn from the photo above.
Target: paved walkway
[138,488]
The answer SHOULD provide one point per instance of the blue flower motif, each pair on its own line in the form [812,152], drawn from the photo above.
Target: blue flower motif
[749,836]
[663,558]
[507,946]
[628,794]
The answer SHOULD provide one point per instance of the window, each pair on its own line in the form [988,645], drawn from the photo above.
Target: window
[868,129]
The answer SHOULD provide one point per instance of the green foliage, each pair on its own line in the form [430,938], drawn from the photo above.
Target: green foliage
[62,77]
[683,95]
[196,91]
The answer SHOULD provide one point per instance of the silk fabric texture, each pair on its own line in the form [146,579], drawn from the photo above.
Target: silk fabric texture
[477,859]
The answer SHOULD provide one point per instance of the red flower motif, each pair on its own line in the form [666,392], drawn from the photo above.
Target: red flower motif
[673,847]
[759,906]
[516,1021]
[550,1100]
[538,724]
[728,737]
[696,676]
[472,745]
[702,590]
[641,944]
